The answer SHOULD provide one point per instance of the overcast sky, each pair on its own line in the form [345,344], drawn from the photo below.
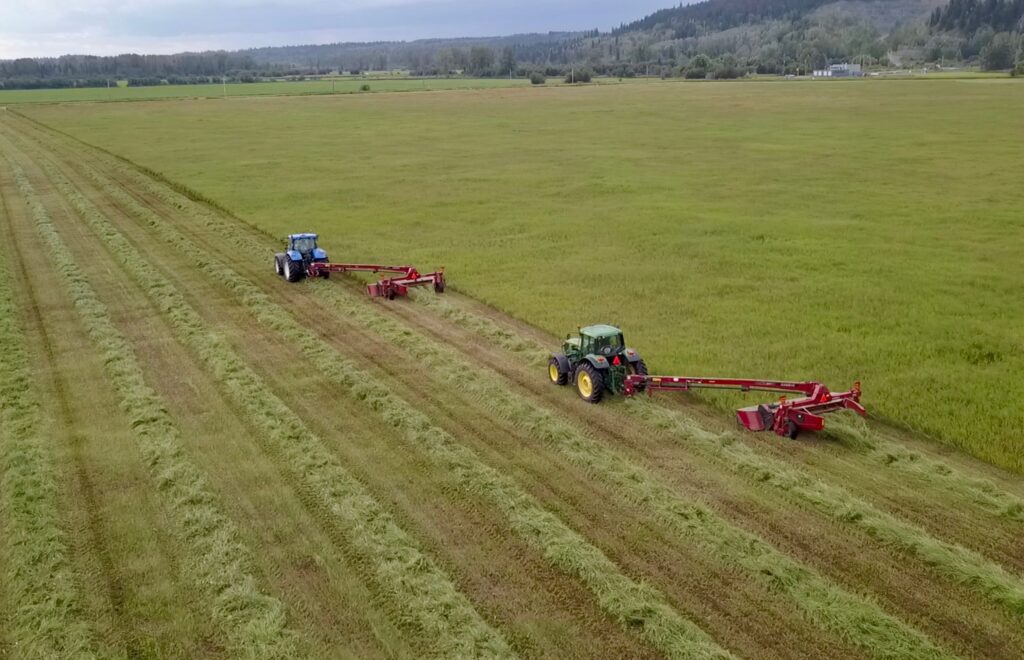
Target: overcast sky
[31,28]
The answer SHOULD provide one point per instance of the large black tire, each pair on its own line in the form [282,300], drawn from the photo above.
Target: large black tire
[589,382]
[439,286]
[279,264]
[640,368]
[558,375]
[293,272]
[792,430]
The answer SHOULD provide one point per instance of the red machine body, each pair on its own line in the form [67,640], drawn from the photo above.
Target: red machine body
[787,417]
[390,287]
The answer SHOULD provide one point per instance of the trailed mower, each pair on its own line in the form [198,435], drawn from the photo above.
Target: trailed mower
[598,361]
[304,258]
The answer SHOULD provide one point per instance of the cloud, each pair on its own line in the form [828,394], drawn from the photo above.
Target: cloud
[105,27]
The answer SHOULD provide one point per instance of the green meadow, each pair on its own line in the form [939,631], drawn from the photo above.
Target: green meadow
[277,88]
[835,230]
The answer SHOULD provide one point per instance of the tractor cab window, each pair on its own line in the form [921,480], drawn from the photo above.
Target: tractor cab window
[608,345]
[304,245]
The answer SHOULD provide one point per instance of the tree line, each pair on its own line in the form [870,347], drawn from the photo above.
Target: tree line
[763,36]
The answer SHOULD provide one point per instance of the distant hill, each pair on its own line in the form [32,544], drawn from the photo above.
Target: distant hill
[968,16]
[719,15]
[714,38]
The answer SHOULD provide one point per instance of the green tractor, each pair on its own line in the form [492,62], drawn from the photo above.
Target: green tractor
[597,360]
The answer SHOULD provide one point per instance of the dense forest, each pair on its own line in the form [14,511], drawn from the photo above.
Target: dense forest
[715,38]
[714,15]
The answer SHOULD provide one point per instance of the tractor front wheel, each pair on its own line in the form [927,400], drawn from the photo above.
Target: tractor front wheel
[558,375]
[589,383]
[278,267]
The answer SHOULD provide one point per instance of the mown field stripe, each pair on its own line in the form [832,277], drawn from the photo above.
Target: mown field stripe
[418,590]
[855,618]
[253,623]
[46,617]
[635,605]
[884,453]
[952,561]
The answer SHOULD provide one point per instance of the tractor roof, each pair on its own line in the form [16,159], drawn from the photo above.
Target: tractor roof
[600,330]
[294,236]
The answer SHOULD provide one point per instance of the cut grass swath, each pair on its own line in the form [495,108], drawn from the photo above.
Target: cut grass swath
[253,623]
[952,561]
[854,618]
[635,605]
[423,597]
[885,453]
[46,617]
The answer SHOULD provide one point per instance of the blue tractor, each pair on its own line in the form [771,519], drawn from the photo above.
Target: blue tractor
[302,252]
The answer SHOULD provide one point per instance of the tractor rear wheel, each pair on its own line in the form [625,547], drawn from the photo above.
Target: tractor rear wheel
[589,383]
[558,375]
[292,272]
[278,266]
[640,369]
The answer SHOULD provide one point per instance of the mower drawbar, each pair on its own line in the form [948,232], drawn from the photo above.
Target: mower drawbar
[787,418]
[389,287]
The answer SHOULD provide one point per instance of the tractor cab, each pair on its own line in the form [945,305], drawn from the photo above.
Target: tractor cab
[303,247]
[596,360]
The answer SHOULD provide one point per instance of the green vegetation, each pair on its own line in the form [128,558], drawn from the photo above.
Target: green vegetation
[858,620]
[427,598]
[958,563]
[289,88]
[632,604]
[252,622]
[834,232]
[334,475]
[42,608]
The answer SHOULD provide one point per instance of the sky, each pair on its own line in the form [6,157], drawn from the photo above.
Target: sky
[38,28]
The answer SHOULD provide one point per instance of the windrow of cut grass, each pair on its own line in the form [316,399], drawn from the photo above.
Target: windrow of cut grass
[253,624]
[45,616]
[949,560]
[854,618]
[886,454]
[418,592]
[634,605]
[891,455]
[857,619]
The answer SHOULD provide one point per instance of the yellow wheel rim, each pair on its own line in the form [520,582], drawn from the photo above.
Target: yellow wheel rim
[585,385]
[553,372]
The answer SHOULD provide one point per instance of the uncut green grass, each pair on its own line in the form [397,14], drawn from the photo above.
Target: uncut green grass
[865,230]
[290,88]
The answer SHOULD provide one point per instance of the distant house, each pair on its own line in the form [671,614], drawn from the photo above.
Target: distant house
[845,70]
